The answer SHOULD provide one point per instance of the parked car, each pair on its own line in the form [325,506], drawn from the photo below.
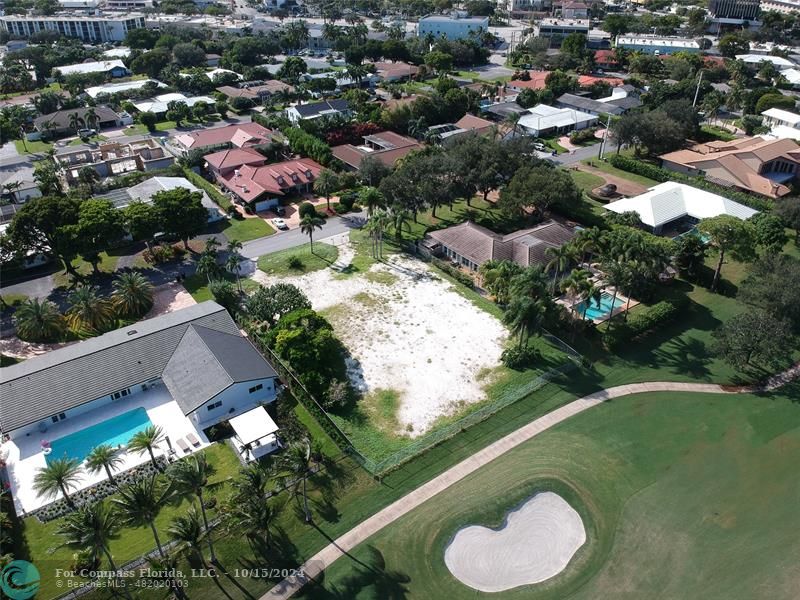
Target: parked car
[540,147]
[279,210]
[280,224]
[86,133]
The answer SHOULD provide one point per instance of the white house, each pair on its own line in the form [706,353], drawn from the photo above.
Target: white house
[545,120]
[114,68]
[783,124]
[318,110]
[679,205]
[184,371]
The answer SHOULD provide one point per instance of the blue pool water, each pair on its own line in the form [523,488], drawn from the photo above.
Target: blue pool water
[114,431]
[599,312]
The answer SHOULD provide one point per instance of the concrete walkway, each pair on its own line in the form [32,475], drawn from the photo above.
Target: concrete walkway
[314,566]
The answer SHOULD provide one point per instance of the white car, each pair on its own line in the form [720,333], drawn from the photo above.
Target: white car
[280,224]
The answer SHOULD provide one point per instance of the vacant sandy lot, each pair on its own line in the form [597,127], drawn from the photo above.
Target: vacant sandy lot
[407,331]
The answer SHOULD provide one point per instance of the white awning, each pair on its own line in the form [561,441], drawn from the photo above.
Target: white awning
[253,425]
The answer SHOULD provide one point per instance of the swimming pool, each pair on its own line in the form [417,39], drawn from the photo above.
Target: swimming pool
[594,312]
[115,431]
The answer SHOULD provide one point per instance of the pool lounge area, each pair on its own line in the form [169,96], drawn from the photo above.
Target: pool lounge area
[598,313]
[108,424]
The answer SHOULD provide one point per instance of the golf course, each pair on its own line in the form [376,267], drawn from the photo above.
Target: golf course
[682,495]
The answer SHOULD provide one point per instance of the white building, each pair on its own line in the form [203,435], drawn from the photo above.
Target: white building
[678,204]
[783,124]
[114,88]
[453,28]
[89,28]
[557,29]
[184,371]
[781,6]
[542,120]
[657,45]
[114,68]
[755,60]
[160,104]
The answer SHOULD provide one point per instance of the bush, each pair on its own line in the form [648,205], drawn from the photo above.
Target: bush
[295,263]
[454,272]
[582,136]
[631,165]
[520,358]
[340,208]
[644,322]
[356,208]
[161,253]
[225,294]
[348,198]
[307,210]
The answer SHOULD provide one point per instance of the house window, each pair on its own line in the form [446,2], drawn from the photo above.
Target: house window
[254,389]
[214,405]
[58,417]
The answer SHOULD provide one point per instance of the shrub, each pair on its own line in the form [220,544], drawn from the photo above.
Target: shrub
[340,208]
[225,294]
[455,273]
[161,253]
[582,136]
[348,198]
[645,321]
[307,210]
[519,358]
[295,263]
[356,208]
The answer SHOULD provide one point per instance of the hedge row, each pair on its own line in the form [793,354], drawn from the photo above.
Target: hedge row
[644,322]
[454,272]
[631,165]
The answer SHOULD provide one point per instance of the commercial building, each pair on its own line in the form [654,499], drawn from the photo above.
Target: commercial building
[557,29]
[746,10]
[524,7]
[89,28]
[657,45]
[756,165]
[453,28]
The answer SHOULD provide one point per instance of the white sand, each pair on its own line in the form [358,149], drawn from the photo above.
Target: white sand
[414,335]
[536,542]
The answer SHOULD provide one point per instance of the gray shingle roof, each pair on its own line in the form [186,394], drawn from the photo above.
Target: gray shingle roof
[63,379]
[208,361]
[315,108]
[587,104]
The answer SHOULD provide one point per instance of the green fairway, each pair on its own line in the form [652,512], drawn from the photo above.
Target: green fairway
[682,496]
[299,260]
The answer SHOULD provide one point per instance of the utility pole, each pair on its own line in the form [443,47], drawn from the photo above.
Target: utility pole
[697,90]
[603,141]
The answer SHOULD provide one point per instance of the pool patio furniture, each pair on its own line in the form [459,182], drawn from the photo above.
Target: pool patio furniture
[193,440]
[183,445]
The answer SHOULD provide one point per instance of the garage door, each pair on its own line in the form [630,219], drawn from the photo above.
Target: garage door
[265,204]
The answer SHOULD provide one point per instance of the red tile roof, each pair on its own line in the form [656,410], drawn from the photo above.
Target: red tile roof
[536,82]
[587,80]
[277,179]
[607,57]
[235,158]
[394,146]
[246,134]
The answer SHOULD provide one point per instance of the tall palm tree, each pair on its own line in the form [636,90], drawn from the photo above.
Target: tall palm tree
[575,285]
[525,317]
[615,276]
[326,183]
[590,293]
[234,264]
[139,504]
[371,198]
[93,527]
[400,218]
[190,477]
[105,457]
[132,295]
[60,475]
[146,440]
[88,310]
[308,224]
[39,321]
[532,282]
[90,117]
[75,122]
[295,467]
[376,226]
[560,259]
[590,241]
[188,531]
[207,265]
[11,188]
[512,120]
[211,244]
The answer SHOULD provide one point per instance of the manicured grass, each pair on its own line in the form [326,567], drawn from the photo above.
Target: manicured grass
[553,144]
[245,230]
[197,286]
[42,541]
[108,264]
[32,147]
[715,132]
[586,181]
[277,263]
[95,138]
[13,299]
[682,496]
[139,129]
[601,165]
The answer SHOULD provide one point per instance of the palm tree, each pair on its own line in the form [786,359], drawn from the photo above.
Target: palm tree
[417,127]
[308,224]
[163,570]
[234,264]
[92,527]
[590,293]
[371,198]
[140,502]
[39,321]
[326,183]
[190,477]
[132,295]
[90,117]
[207,265]
[188,530]
[615,276]
[532,282]
[145,440]
[589,241]
[376,226]
[60,475]
[575,286]
[560,259]
[88,176]
[400,218]
[512,120]
[212,243]
[295,466]
[11,188]
[88,311]
[105,457]
[525,317]
[75,122]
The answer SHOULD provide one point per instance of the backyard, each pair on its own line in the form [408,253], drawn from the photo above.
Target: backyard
[616,464]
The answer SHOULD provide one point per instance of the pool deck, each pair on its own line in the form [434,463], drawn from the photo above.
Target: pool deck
[26,458]
[625,303]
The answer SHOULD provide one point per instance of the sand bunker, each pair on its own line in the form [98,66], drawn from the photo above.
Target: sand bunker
[535,543]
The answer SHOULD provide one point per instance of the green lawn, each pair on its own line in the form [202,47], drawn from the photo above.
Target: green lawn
[245,230]
[95,138]
[715,132]
[13,299]
[283,262]
[553,144]
[586,181]
[682,496]
[197,285]
[32,147]
[108,264]
[139,129]
[607,168]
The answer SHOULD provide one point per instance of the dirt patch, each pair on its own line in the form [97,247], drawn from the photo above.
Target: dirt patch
[168,298]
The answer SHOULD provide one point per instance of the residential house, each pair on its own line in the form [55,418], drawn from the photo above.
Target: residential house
[160,104]
[535,81]
[761,166]
[470,245]
[225,162]
[675,208]
[386,146]
[319,110]
[184,371]
[452,28]
[110,159]
[244,135]
[466,125]
[588,105]
[526,7]
[60,122]
[625,97]
[144,192]
[502,110]
[754,61]
[17,183]
[259,92]
[391,72]
[212,60]
[574,10]
[125,86]
[543,120]
[112,68]
[262,187]
[606,59]
[782,123]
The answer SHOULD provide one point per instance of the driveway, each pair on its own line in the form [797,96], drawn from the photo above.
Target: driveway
[295,237]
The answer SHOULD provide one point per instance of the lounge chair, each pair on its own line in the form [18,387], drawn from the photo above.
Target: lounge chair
[183,445]
[193,440]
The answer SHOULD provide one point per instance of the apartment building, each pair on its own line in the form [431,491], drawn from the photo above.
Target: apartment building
[89,28]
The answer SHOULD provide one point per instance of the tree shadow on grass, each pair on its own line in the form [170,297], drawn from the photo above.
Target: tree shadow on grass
[372,574]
